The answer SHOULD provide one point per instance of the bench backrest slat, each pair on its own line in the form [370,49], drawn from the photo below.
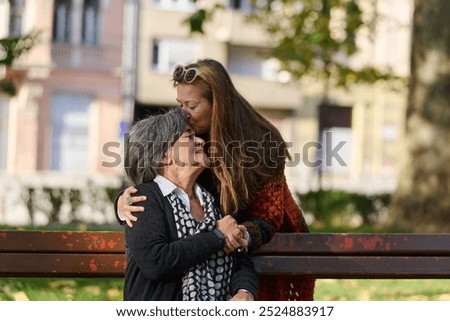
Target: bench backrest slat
[358,244]
[62,242]
[356,267]
[282,244]
[61,265]
[113,265]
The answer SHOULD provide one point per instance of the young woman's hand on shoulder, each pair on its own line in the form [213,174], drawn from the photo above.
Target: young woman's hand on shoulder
[125,205]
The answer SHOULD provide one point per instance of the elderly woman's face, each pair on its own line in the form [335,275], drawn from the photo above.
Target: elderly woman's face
[196,107]
[188,151]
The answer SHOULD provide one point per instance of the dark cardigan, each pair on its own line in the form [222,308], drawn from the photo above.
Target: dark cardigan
[261,231]
[157,259]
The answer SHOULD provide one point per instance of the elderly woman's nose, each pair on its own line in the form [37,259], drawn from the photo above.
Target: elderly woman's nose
[199,141]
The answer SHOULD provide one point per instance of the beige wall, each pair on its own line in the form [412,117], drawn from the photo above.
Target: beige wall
[66,68]
[155,88]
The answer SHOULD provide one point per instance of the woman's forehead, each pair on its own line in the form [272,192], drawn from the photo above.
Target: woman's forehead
[187,92]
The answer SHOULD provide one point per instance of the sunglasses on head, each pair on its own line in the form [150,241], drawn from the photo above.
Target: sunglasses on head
[188,75]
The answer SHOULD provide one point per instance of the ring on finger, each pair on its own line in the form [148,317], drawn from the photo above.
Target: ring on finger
[128,201]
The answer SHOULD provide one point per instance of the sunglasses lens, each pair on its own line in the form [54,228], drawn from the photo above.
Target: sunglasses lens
[190,75]
[178,72]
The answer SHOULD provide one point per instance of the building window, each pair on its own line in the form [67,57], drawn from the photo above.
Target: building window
[335,136]
[3,131]
[70,132]
[168,52]
[245,61]
[179,5]
[251,61]
[336,150]
[90,22]
[61,21]
[242,5]
[15,17]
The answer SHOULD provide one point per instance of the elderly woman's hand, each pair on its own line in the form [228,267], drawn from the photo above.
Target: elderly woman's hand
[236,240]
[242,296]
[230,229]
[243,240]
[125,205]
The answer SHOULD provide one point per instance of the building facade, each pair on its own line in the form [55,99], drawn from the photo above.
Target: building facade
[69,102]
[99,64]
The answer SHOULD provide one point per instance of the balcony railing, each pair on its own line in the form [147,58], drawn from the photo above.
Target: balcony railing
[86,57]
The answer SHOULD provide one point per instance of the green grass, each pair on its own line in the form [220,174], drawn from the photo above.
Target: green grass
[359,229]
[43,289]
[37,289]
[63,227]
[382,290]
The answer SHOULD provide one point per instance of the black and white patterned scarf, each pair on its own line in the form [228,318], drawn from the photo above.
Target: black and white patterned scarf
[210,280]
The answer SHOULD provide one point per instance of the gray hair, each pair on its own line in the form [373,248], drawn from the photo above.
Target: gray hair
[148,140]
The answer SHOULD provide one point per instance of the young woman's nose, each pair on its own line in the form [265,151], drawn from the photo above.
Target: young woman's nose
[186,111]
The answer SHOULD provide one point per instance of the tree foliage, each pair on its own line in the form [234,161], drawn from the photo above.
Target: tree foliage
[315,38]
[197,20]
[12,48]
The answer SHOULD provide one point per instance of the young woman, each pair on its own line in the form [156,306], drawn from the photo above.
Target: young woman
[248,157]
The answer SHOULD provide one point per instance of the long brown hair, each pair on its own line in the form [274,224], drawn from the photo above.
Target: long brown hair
[246,149]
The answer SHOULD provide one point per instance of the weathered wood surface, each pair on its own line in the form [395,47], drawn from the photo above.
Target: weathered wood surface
[322,255]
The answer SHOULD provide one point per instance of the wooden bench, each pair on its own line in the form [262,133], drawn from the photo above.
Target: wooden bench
[322,255]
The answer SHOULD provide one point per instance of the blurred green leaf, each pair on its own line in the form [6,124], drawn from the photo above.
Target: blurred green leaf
[196,20]
[7,87]
[310,37]
[13,47]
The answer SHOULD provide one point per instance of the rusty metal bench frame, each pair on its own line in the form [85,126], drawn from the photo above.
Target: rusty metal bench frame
[321,255]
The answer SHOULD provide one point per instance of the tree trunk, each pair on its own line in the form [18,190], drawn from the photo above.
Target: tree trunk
[421,202]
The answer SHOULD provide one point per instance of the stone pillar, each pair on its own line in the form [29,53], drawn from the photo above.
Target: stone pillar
[76,30]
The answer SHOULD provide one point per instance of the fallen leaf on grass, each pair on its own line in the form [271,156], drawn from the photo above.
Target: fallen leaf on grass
[20,296]
[114,293]
[93,289]
[444,297]
[62,283]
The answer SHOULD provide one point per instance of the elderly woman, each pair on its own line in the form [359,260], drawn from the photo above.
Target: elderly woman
[176,250]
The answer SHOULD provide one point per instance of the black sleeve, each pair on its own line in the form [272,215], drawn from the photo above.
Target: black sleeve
[153,245]
[244,276]
[116,211]
[260,231]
